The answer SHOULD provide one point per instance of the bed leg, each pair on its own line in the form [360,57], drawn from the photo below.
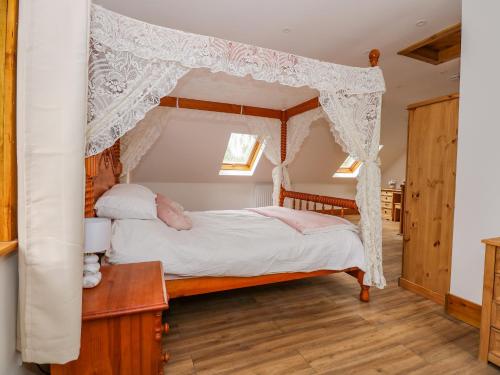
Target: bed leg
[364,295]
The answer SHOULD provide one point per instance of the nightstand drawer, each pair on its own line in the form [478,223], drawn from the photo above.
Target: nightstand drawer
[386,198]
[496,288]
[386,214]
[495,342]
[387,205]
[386,193]
[495,314]
[497,261]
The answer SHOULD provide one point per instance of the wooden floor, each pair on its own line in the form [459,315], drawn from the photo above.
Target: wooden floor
[318,326]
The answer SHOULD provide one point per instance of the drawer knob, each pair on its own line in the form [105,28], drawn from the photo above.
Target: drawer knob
[166,328]
[165,357]
[158,336]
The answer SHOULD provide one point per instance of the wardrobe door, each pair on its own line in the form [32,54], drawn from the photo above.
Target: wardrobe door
[430,197]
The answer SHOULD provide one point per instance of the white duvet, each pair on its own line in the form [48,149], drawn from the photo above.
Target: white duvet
[234,243]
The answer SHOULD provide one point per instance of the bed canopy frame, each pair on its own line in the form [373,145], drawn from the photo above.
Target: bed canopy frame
[133,66]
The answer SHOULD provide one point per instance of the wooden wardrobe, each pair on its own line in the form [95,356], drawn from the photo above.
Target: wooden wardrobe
[430,196]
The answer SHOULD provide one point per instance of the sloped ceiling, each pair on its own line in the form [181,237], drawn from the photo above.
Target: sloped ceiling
[340,31]
[192,146]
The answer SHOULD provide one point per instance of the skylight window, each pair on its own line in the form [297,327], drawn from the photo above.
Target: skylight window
[242,155]
[350,167]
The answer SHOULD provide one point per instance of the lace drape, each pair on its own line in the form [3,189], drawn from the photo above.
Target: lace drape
[355,121]
[270,133]
[133,64]
[135,144]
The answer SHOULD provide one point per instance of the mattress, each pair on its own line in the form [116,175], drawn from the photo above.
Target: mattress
[234,243]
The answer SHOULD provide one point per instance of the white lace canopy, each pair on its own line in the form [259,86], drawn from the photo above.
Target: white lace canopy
[132,64]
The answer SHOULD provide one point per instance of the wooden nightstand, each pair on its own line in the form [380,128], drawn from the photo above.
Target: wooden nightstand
[122,327]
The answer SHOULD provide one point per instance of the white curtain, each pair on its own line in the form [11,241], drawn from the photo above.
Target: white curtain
[51,101]
[133,64]
[135,143]
[355,122]
[270,133]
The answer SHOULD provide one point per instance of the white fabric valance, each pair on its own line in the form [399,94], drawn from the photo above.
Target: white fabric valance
[132,64]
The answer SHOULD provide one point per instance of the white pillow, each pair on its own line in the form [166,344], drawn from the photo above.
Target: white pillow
[127,201]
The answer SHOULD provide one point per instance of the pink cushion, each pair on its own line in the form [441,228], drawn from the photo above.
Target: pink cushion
[171,214]
[173,204]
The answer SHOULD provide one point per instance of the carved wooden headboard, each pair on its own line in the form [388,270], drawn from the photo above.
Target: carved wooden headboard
[102,171]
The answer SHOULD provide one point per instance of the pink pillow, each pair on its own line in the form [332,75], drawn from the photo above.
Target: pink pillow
[171,215]
[169,202]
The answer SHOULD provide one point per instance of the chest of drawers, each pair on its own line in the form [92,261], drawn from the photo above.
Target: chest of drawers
[390,200]
[489,346]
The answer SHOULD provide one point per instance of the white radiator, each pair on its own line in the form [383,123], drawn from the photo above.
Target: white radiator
[263,195]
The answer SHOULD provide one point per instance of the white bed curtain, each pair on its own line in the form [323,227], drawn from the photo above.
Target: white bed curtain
[270,133]
[133,64]
[135,143]
[51,116]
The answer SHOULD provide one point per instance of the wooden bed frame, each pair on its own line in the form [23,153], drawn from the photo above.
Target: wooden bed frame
[103,171]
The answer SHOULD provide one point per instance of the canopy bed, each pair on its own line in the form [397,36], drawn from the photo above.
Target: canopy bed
[132,67]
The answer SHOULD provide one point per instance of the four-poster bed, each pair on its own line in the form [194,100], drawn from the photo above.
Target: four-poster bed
[133,66]
[104,169]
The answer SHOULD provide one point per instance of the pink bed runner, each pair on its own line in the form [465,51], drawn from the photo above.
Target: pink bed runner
[306,222]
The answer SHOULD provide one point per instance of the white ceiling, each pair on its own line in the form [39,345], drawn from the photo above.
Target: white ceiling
[340,31]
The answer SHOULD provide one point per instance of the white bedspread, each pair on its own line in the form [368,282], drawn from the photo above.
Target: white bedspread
[234,243]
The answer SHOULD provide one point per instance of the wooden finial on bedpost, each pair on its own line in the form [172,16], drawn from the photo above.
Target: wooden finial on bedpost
[374,56]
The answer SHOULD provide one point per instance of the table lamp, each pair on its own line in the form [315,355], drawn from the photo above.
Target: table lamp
[97,240]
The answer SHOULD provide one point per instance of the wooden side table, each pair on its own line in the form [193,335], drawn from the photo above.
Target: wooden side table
[122,327]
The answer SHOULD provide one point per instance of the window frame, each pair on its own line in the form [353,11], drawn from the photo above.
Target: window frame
[351,169]
[246,167]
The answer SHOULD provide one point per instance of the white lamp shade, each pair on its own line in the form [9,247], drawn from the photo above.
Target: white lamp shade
[97,235]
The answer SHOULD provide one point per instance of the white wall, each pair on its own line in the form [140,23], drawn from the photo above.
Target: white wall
[9,358]
[477,204]
[226,196]
[395,171]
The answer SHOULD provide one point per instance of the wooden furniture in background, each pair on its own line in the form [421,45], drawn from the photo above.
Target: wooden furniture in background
[489,344]
[122,323]
[402,217]
[430,196]
[8,176]
[390,200]
[438,48]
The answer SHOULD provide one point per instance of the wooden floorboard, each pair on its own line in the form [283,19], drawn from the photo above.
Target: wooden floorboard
[318,326]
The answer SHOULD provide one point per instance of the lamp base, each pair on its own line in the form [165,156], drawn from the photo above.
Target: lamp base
[91,275]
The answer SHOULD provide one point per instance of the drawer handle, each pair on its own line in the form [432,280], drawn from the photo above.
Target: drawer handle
[165,357]
[158,336]
[166,328]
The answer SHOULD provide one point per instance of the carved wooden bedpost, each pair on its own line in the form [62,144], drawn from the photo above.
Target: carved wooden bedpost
[97,182]
[364,295]
[283,151]
[374,55]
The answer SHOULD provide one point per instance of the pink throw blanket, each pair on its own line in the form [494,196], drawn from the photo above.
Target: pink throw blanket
[306,222]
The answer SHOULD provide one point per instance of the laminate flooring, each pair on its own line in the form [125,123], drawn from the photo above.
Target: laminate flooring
[319,326]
